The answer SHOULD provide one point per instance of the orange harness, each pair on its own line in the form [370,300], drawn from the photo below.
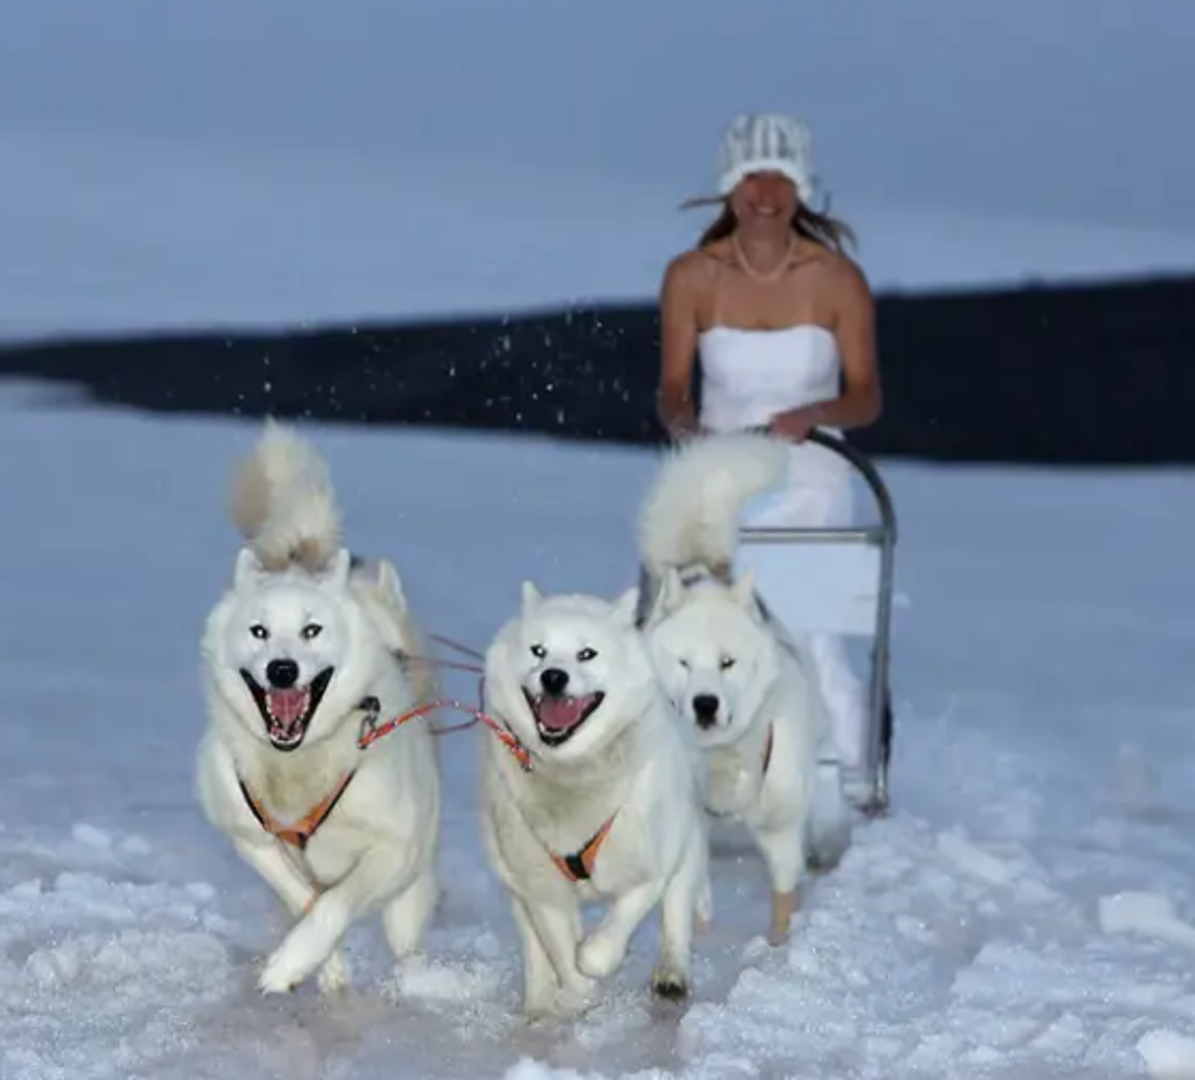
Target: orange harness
[579,865]
[300,833]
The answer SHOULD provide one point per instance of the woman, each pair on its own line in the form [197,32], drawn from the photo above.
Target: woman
[783,323]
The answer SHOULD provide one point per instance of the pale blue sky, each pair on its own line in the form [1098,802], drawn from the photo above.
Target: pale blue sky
[1072,109]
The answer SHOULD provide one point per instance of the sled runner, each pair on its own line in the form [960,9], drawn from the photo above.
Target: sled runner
[839,581]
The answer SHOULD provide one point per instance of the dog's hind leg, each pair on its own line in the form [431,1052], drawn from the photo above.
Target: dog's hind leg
[783,851]
[829,825]
[405,919]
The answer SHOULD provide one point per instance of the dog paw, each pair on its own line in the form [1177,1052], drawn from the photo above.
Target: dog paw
[669,984]
[555,1003]
[273,980]
[538,1008]
[600,956]
[547,1011]
[574,1001]
[777,935]
[335,975]
[284,970]
[538,1015]
[784,904]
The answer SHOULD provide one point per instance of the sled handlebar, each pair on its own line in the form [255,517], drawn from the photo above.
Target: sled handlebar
[880,735]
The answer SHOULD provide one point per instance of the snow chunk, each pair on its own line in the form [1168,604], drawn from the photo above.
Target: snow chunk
[1168,1054]
[973,860]
[1147,914]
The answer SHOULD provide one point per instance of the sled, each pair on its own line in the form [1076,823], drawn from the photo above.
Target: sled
[839,581]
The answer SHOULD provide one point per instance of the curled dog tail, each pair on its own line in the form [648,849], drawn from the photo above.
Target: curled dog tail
[283,502]
[691,512]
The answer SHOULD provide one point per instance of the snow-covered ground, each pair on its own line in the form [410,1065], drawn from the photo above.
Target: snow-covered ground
[1027,911]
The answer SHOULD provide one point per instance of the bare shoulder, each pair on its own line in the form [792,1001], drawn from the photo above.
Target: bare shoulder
[689,269]
[846,278]
[688,275]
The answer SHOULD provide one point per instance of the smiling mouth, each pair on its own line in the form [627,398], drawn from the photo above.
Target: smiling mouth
[287,712]
[558,717]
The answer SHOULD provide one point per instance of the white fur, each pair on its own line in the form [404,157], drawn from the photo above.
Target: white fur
[632,759]
[711,640]
[690,515]
[299,507]
[377,846]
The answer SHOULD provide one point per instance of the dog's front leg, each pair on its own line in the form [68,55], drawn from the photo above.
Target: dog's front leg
[557,930]
[686,897]
[298,895]
[380,872]
[279,872]
[540,983]
[603,951]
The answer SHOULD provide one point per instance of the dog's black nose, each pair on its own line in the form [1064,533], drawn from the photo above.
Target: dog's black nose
[705,709]
[554,681]
[282,673]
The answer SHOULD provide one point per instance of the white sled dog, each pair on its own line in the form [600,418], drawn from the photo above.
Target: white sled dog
[604,805]
[305,647]
[733,670]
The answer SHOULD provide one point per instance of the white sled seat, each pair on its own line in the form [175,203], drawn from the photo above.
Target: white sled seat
[818,580]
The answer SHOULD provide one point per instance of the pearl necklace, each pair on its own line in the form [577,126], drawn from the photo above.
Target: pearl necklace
[745,265]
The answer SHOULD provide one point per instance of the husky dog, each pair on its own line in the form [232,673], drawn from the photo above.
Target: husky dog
[604,805]
[733,671]
[306,647]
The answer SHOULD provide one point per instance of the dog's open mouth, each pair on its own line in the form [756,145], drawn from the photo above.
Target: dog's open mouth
[559,717]
[287,712]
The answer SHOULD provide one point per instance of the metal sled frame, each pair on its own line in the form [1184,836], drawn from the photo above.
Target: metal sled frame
[883,536]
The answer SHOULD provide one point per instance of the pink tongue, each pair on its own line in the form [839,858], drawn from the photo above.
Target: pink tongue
[287,706]
[561,714]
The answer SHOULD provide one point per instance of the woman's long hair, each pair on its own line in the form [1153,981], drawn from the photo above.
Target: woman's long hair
[821,228]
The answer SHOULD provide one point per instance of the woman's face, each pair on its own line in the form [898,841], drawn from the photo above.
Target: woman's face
[764,200]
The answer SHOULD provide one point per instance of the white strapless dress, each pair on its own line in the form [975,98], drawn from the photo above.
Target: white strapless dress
[747,376]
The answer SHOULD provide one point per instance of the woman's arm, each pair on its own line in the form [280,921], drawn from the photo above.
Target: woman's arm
[678,346]
[861,401]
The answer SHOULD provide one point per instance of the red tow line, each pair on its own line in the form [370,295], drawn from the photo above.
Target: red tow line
[372,730]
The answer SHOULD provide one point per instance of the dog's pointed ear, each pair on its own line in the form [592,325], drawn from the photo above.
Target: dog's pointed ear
[391,584]
[531,597]
[626,607]
[743,590]
[248,568]
[338,568]
[670,594]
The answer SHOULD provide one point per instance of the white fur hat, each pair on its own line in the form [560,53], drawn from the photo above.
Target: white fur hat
[767,141]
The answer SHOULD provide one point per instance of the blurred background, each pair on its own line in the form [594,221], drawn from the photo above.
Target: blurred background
[213,171]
